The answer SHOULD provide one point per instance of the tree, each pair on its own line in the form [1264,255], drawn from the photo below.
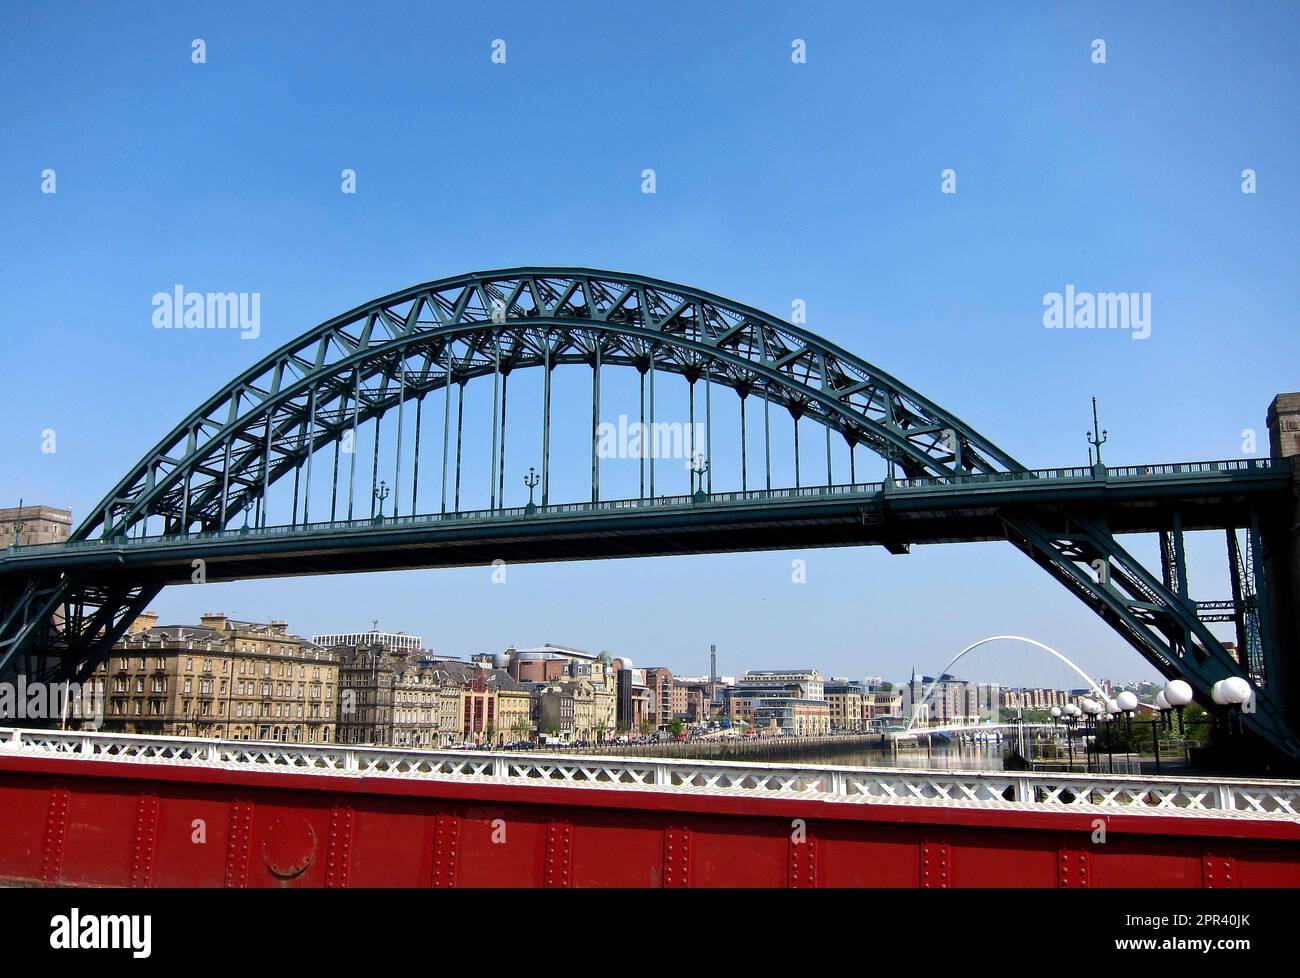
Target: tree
[675,726]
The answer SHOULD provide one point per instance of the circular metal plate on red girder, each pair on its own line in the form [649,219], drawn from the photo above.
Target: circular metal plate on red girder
[290,846]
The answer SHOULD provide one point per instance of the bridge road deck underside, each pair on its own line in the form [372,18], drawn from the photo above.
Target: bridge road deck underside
[896,519]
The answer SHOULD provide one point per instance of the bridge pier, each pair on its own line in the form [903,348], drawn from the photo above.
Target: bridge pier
[1280,559]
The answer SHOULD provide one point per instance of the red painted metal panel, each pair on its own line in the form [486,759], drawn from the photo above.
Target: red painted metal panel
[100,832]
[1262,864]
[117,824]
[1122,861]
[26,801]
[982,857]
[501,846]
[739,852]
[627,851]
[892,857]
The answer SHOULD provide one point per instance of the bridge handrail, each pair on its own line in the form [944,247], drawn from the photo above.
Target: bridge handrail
[865,489]
[1131,794]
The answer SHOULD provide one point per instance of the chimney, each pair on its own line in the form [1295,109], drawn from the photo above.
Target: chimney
[216,620]
[143,622]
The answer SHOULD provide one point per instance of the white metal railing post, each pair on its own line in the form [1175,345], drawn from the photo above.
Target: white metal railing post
[663,776]
[1024,791]
[1227,798]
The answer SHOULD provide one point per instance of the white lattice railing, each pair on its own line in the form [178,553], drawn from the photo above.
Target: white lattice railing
[1130,794]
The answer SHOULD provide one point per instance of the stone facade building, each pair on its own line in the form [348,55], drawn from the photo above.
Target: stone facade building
[385,699]
[31,525]
[225,679]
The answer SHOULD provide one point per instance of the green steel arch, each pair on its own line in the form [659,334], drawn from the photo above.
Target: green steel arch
[271,421]
[362,364]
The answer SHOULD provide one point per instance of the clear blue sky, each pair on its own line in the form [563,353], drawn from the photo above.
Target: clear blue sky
[775,181]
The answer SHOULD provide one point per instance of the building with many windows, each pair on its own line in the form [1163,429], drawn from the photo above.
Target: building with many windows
[31,525]
[394,641]
[846,698]
[659,680]
[780,701]
[223,678]
[386,699]
[480,705]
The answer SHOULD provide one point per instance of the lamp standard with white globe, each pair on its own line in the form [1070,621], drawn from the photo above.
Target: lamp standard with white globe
[1234,693]
[1127,702]
[1178,693]
[1091,711]
[1159,724]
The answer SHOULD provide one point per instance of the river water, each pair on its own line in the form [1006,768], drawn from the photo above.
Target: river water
[948,757]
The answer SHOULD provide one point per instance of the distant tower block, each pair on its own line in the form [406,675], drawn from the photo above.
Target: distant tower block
[713,665]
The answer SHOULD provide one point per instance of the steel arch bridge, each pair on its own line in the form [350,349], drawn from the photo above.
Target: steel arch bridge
[302,407]
[919,706]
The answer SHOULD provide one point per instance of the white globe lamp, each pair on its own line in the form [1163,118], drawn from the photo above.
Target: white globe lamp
[1178,693]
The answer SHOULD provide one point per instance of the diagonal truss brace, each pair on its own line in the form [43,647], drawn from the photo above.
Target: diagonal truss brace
[1161,624]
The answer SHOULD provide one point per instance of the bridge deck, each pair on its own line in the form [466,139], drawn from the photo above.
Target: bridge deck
[118,809]
[897,515]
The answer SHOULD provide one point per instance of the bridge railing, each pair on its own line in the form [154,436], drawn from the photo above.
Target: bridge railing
[1134,795]
[863,489]
[1095,472]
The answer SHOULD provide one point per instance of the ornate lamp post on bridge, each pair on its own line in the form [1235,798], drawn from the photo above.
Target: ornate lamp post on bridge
[531,480]
[382,492]
[699,466]
[1096,439]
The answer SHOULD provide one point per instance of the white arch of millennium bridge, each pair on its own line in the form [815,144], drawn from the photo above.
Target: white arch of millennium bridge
[925,698]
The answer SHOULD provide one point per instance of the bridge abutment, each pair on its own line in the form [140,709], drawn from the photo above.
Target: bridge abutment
[1280,557]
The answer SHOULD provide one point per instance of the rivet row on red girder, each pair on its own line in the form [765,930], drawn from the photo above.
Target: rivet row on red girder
[446,839]
[56,828]
[558,854]
[241,832]
[339,848]
[934,865]
[146,834]
[677,857]
[803,864]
